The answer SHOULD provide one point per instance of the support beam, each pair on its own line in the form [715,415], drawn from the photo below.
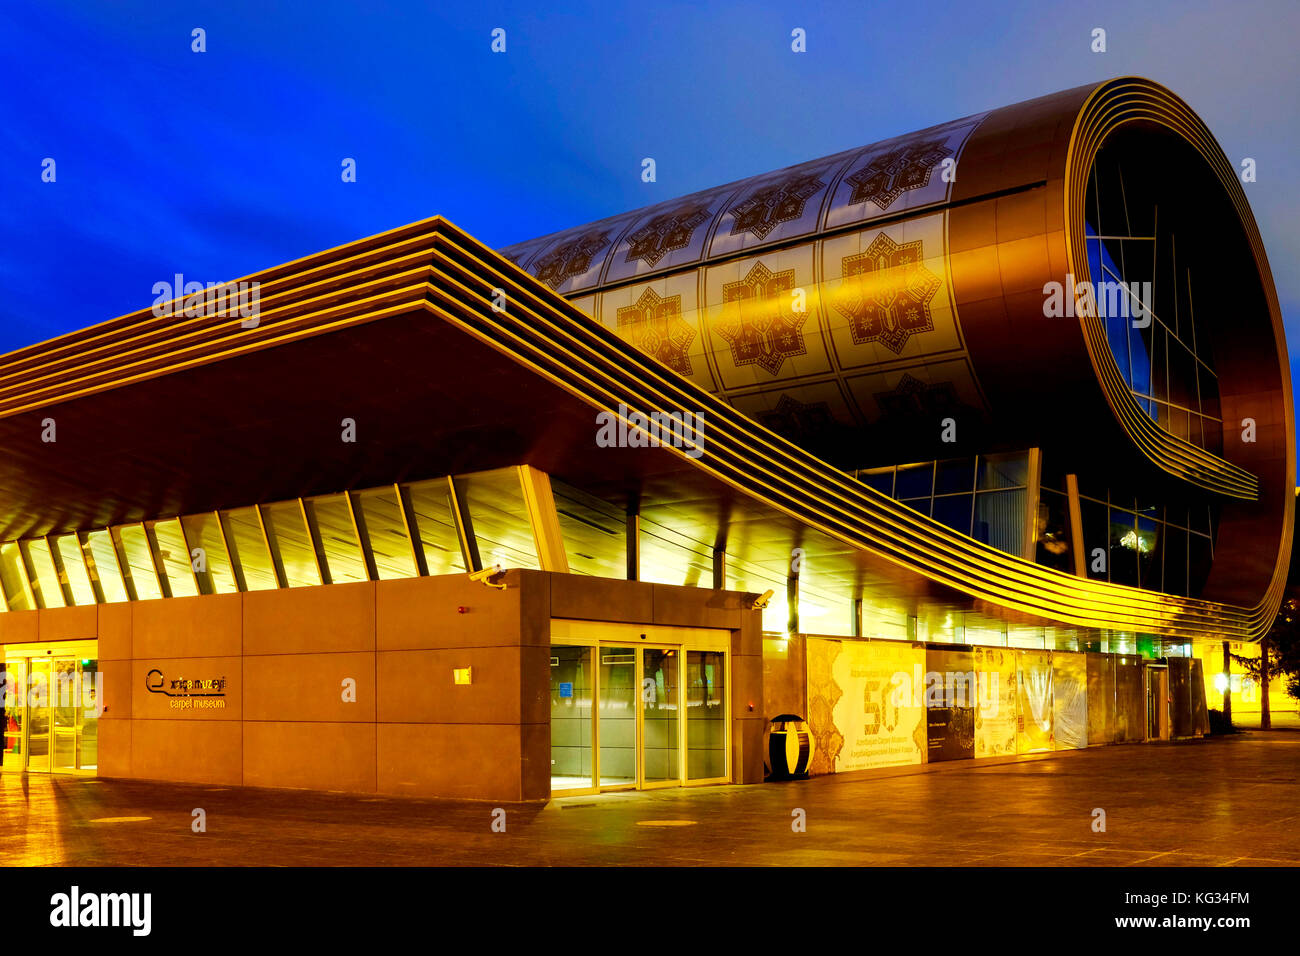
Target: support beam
[720,569]
[1032,494]
[317,545]
[633,538]
[363,540]
[412,528]
[236,566]
[189,557]
[1076,525]
[792,602]
[544,519]
[277,565]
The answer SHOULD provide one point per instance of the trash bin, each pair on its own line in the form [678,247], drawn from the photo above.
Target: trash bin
[789,748]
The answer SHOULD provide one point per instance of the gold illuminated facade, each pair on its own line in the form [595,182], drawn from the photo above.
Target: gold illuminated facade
[900,455]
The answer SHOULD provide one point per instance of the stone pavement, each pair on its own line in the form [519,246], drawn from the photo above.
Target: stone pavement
[1226,801]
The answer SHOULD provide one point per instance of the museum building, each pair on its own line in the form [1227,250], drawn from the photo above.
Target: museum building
[973,443]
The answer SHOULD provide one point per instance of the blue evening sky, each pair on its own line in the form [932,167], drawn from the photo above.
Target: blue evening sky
[222,163]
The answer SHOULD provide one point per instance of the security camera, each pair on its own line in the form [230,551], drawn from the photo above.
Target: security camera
[761,602]
[486,576]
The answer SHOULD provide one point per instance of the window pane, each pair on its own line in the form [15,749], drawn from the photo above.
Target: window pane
[1000,520]
[332,520]
[68,549]
[1148,553]
[1096,537]
[104,566]
[670,557]
[1123,548]
[202,531]
[706,715]
[44,578]
[954,476]
[882,480]
[594,532]
[248,549]
[436,526]
[1198,563]
[918,504]
[137,562]
[496,506]
[1054,547]
[914,481]
[571,736]
[12,577]
[1003,471]
[384,532]
[954,511]
[291,544]
[1175,561]
[174,558]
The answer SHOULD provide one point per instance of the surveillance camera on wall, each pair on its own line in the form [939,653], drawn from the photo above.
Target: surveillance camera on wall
[761,602]
[487,576]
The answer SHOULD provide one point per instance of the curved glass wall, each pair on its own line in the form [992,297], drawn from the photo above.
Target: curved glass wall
[983,497]
[1145,293]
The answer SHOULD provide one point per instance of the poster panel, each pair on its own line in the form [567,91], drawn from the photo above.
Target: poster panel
[1070,700]
[1130,701]
[951,698]
[864,706]
[1034,680]
[1101,699]
[1200,711]
[1180,696]
[996,716]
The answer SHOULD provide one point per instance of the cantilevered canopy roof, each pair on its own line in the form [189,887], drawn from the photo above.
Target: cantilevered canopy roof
[158,416]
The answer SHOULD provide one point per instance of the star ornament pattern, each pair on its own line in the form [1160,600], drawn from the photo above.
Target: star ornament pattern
[886,293]
[891,174]
[666,233]
[571,258]
[654,324]
[759,321]
[769,206]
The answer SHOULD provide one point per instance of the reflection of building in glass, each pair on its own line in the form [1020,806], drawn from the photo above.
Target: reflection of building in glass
[905,463]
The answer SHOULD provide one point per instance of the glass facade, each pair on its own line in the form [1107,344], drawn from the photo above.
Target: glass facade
[983,497]
[1161,346]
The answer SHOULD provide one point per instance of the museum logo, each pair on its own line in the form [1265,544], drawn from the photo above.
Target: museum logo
[188,693]
[628,429]
[1126,300]
[74,909]
[222,300]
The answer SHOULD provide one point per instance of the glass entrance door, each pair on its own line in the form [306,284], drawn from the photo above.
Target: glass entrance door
[635,717]
[15,715]
[38,715]
[661,762]
[616,717]
[51,714]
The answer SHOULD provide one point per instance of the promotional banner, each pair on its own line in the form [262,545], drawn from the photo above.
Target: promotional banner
[1130,701]
[1101,699]
[1070,700]
[1035,684]
[951,700]
[864,707]
[997,715]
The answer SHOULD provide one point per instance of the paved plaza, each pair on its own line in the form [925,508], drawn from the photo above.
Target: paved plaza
[1227,801]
